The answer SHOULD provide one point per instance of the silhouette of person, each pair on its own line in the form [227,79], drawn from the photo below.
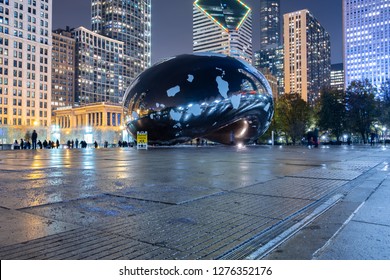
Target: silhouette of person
[34,137]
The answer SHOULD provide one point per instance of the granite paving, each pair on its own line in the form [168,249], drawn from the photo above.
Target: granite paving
[167,202]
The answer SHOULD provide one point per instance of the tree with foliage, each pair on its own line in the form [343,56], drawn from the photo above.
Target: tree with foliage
[384,104]
[292,116]
[332,112]
[361,107]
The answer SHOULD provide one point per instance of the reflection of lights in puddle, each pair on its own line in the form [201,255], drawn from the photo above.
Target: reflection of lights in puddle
[36,175]
[386,167]
[240,146]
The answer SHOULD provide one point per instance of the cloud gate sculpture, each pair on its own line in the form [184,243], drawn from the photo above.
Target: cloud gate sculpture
[209,96]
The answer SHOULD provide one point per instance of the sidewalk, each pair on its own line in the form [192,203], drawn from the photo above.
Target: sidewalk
[366,233]
[356,228]
[195,203]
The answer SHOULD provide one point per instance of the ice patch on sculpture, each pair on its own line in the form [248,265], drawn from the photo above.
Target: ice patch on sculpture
[235,99]
[158,105]
[173,91]
[266,108]
[195,110]
[175,115]
[223,86]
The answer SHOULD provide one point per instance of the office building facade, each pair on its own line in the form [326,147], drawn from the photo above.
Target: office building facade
[98,122]
[306,55]
[224,27]
[129,22]
[270,20]
[100,68]
[366,33]
[271,61]
[63,68]
[337,76]
[269,58]
[25,68]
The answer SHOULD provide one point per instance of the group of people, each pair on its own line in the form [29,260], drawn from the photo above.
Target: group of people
[26,144]
[122,144]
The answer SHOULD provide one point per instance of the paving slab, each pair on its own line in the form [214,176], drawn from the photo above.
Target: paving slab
[95,211]
[171,194]
[302,188]
[17,227]
[359,241]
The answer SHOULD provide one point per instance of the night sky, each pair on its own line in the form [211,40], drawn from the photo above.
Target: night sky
[172,22]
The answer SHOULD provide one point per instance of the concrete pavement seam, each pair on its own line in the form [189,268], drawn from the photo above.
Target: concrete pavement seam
[328,243]
[283,237]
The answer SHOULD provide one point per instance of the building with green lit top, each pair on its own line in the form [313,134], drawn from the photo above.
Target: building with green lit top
[223,26]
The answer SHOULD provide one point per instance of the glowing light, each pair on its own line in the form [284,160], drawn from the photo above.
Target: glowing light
[217,22]
[246,15]
[240,146]
[211,17]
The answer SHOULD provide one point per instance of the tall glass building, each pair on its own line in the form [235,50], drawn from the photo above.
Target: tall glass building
[223,26]
[269,58]
[128,21]
[269,24]
[306,55]
[271,61]
[366,32]
[63,69]
[99,71]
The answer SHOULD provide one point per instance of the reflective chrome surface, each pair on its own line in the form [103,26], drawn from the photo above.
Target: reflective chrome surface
[205,95]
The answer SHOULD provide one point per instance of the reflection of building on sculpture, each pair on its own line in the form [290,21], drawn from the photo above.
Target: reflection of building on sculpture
[201,95]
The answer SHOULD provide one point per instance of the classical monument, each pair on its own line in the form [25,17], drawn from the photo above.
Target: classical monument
[203,95]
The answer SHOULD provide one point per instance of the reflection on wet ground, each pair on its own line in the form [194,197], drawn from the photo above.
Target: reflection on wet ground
[163,203]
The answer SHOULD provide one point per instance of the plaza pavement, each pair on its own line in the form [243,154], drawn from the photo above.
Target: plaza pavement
[258,202]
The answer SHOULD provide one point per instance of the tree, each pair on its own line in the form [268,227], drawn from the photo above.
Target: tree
[27,136]
[384,104]
[332,112]
[361,107]
[292,116]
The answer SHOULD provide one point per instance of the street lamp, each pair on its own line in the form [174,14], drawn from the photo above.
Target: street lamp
[384,135]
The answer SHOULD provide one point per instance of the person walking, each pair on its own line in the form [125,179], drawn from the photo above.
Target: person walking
[34,137]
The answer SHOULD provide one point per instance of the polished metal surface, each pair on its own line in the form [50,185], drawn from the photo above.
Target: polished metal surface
[210,96]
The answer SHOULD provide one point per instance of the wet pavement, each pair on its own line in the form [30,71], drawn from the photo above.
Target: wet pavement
[196,203]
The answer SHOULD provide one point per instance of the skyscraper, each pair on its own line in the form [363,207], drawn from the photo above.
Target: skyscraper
[270,62]
[25,67]
[269,24]
[337,76]
[129,22]
[366,32]
[269,58]
[223,26]
[99,71]
[306,55]
[63,69]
